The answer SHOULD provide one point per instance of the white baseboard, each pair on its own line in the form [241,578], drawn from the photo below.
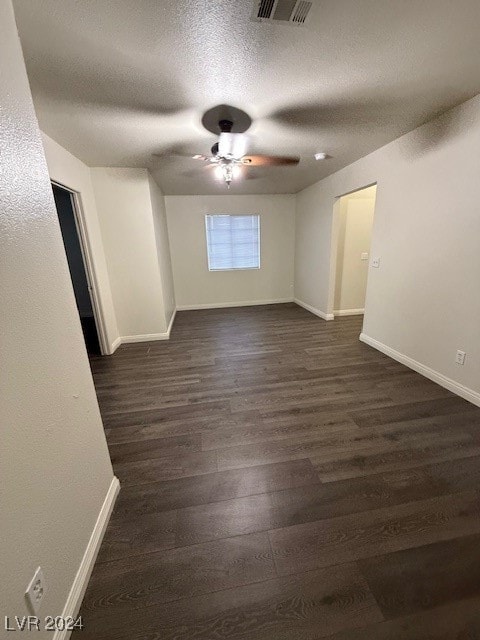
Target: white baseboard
[149,337]
[145,337]
[170,324]
[462,391]
[115,344]
[224,305]
[317,312]
[348,312]
[80,582]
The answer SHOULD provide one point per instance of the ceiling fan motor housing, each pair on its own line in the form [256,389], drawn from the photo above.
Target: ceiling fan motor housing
[225,126]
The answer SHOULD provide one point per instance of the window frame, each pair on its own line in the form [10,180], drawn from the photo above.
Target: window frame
[233,215]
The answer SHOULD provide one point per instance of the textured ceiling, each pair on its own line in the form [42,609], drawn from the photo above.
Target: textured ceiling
[115,81]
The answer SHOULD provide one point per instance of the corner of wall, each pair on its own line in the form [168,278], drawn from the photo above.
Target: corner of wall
[70,172]
[130,246]
[162,241]
[317,312]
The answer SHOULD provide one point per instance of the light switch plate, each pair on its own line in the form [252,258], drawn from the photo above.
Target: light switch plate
[364,256]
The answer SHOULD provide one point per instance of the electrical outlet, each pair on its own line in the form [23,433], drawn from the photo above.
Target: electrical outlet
[35,591]
[460,357]
[376,263]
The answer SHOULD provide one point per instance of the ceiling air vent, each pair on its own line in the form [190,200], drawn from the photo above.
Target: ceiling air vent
[285,11]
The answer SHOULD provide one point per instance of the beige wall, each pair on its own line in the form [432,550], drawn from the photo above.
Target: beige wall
[54,463]
[126,220]
[163,248]
[195,286]
[126,224]
[424,300]
[71,172]
[354,239]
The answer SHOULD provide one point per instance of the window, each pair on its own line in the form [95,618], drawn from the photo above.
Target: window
[233,242]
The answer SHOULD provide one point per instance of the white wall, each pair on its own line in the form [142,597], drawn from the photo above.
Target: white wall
[195,286]
[126,225]
[163,248]
[424,300]
[126,220]
[354,239]
[71,172]
[54,463]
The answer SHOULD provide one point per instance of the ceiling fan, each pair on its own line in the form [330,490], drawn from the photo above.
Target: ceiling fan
[229,154]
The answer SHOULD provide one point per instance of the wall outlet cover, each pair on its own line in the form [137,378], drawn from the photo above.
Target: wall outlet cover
[460,357]
[376,263]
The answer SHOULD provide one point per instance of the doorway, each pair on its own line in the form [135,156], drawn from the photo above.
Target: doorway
[355,221]
[67,216]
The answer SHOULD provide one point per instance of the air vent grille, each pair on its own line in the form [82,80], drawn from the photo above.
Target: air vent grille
[294,12]
[301,11]
[284,10]
[265,8]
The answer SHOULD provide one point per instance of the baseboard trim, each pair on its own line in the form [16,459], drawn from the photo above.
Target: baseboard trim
[455,387]
[145,337]
[170,324]
[225,305]
[348,312]
[317,312]
[115,344]
[82,577]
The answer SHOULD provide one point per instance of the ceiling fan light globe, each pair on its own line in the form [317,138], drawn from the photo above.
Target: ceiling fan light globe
[232,146]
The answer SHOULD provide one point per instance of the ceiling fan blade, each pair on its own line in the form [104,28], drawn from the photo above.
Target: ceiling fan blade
[198,156]
[201,156]
[232,144]
[269,161]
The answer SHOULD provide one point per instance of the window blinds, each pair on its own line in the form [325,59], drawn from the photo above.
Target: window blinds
[233,242]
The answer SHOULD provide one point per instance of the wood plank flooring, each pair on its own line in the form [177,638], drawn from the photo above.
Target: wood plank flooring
[283,481]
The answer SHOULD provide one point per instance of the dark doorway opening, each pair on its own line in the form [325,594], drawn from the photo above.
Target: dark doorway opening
[66,214]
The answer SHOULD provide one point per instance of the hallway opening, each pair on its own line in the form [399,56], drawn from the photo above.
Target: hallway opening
[356,212]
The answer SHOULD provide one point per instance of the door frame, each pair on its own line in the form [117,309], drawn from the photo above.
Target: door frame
[92,283]
[334,246]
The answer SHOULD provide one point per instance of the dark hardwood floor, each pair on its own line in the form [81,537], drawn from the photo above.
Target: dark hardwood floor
[283,481]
